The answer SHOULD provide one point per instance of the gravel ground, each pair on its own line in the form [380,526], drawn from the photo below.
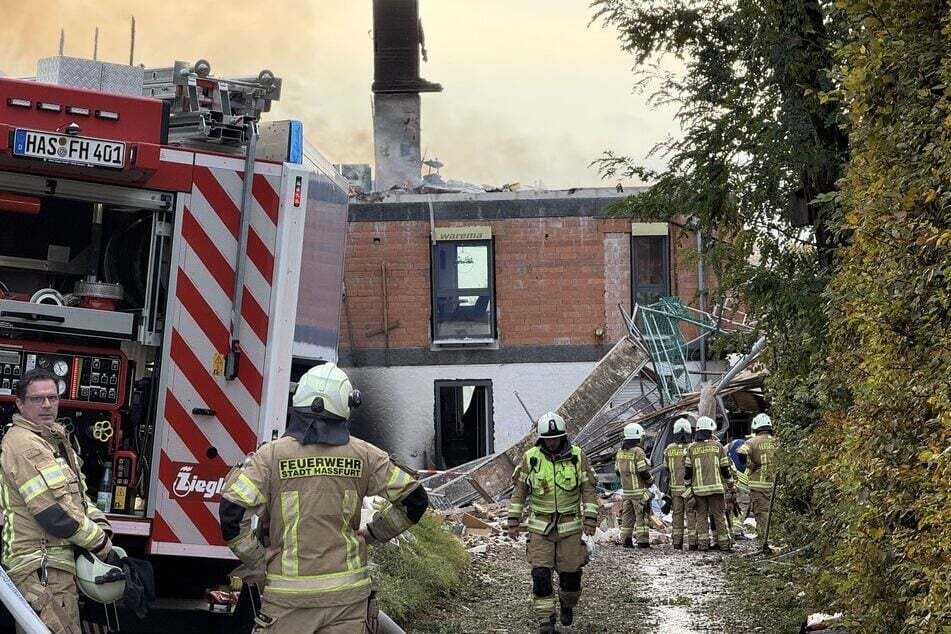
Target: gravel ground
[624,590]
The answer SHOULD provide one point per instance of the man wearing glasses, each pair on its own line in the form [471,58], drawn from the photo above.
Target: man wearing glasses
[46,511]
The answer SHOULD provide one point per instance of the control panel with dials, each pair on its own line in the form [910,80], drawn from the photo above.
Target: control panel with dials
[85,377]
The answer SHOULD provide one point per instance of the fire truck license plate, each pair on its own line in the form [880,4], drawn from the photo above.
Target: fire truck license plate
[60,148]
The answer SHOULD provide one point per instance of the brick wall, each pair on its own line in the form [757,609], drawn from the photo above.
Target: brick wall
[557,280]
[404,248]
[616,234]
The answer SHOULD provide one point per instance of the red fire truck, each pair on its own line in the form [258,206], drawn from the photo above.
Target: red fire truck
[151,232]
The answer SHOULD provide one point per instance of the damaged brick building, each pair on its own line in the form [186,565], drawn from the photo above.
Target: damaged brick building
[456,302]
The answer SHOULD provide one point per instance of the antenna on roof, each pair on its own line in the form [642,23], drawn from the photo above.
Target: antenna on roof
[62,40]
[132,42]
[95,45]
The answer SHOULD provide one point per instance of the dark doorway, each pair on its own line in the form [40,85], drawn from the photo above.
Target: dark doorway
[464,428]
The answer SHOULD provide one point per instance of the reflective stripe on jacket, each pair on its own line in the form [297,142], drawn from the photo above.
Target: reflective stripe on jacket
[706,457]
[558,492]
[42,476]
[630,463]
[311,496]
[674,457]
[760,462]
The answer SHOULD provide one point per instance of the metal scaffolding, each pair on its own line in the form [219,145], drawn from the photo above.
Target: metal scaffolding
[660,328]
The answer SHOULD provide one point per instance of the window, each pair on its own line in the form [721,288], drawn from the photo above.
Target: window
[650,268]
[463,293]
[464,427]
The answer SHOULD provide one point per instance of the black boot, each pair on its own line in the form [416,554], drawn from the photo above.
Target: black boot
[640,545]
[567,615]
[628,542]
[547,627]
[679,546]
[692,547]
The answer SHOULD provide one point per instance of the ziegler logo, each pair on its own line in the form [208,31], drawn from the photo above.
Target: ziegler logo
[188,483]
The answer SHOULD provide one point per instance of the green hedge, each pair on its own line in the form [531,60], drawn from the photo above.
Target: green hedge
[881,460]
[428,562]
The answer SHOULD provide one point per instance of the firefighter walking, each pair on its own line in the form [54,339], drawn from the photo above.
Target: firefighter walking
[757,457]
[634,468]
[46,507]
[309,485]
[741,505]
[707,477]
[675,457]
[556,482]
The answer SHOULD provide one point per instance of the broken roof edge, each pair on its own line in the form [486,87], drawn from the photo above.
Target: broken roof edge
[411,196]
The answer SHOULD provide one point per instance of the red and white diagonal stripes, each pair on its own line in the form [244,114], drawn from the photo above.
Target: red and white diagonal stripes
[204,278]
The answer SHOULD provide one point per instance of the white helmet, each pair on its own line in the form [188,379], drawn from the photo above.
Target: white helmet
[682,425]
[705,423]
[101,582]
[551,425]
[633,431]
[326,388]
[761,420]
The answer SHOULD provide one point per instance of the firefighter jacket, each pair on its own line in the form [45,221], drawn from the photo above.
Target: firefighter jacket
[559,490]
[760,462]
[46,507]
[740,470]
[310,497]
[708,466]
[674,457]
[633,466]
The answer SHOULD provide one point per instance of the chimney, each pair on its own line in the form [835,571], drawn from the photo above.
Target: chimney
[397,39]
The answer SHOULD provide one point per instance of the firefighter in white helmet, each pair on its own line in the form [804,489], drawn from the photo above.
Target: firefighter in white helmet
[674,458]
[556,483]
[707,475]
[310,485]
[757,455]
[634,469]
[46,507]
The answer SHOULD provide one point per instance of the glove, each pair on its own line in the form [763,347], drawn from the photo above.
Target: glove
[104,550]
[512,529]
[368,536]
[590,526]
[113,558]
[104,524]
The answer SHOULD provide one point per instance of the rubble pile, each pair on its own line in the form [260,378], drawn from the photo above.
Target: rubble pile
[482,527]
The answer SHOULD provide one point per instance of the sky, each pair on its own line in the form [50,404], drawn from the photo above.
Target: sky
[531,92]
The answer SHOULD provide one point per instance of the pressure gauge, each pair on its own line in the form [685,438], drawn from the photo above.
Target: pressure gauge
[61,386]
[60,368]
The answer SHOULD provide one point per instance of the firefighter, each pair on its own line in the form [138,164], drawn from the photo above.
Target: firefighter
[308,488]
[46,506]
[634,468]
[757,456]
[707,477]
[556,482]
[741,507]
[674,457]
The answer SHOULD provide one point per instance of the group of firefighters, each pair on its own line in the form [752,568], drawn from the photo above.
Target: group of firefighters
[555,484]
[292,512]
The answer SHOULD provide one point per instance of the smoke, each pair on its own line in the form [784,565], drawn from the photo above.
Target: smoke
[529,95]
[321,50]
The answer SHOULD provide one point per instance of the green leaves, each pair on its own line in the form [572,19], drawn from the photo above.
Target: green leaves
[849,102]
[889,320]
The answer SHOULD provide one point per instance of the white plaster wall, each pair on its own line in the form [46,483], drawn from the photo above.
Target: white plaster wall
[397,413]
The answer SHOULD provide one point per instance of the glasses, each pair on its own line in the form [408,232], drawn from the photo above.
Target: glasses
[41,400]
